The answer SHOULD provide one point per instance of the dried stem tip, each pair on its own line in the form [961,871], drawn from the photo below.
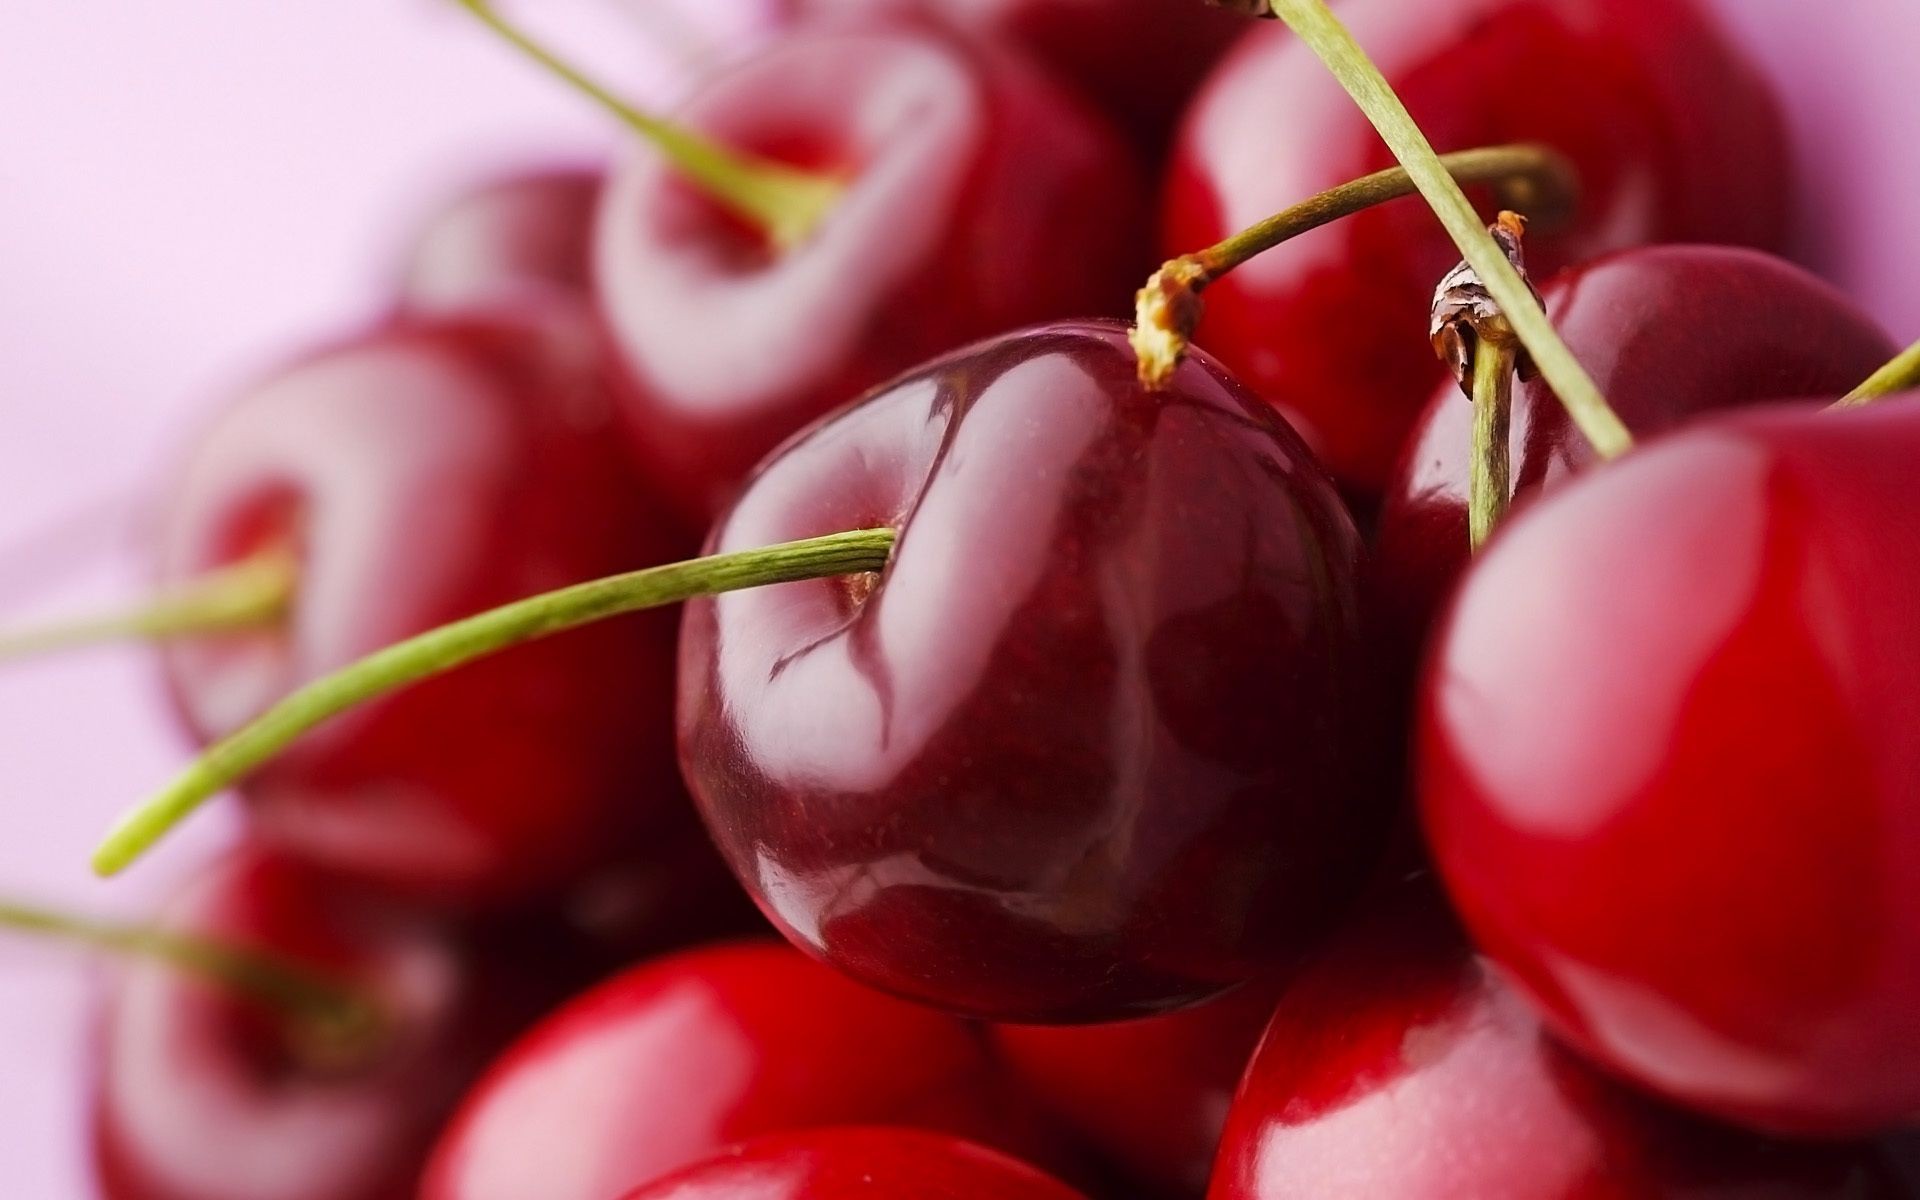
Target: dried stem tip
[1165,313]
[1466,316]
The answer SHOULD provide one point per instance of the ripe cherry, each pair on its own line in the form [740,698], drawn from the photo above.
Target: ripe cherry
[413,475]
[1397,1066]
[858,1164]
[1668,333]
[521,233]
[1675,139]
[1667,765]
[1093,745]
[670,1062]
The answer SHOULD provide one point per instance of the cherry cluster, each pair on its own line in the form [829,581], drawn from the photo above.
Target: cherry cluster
[1206,756]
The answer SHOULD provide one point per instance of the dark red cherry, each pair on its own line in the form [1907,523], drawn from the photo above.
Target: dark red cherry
[1150,1095]
[1139,59]
[420,473]
[670,1062]
[1667,332]
[1095,744]
[519,234]
[978,197]
[858,1164]
[1668,764]
[201,1094]
[1674,136]
[1397,1067]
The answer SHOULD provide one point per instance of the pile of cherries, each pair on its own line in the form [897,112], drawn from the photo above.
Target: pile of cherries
[1177,805]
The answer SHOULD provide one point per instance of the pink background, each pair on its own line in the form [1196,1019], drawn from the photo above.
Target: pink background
[190,189]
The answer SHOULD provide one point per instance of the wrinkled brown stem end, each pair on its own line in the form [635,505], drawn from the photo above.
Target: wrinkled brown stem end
[1466,316]
[1165,313]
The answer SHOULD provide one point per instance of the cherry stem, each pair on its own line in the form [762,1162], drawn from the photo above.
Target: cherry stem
[1489,480]
[1314,23]
[342,1014]
[785,203]
[1533,179]
[1900,375]
[440,650]
[248,594]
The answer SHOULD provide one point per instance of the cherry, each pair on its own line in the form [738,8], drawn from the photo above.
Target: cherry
[526,232]
[1674,136]
[413,475]
[1668,333]
[205,1094]
[666,1064]
[1667,765]
[1091,746]
[1397,1065]
[1151,1095]
[976,197]
[858,1164]
[1139,59]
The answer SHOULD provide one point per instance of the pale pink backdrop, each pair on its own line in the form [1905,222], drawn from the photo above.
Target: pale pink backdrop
[190,188]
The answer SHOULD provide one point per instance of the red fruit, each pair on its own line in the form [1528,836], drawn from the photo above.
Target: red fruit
[205,1095]
[1094,745]
[858,1164]
[1150,1095]
[422,473]
[1668,765]
[1674,136]
[1399,1068]
[670,1062]
[978,197]
[518,235]
[1667,333]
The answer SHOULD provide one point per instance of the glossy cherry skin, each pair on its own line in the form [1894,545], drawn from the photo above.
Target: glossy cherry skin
[1675,138]
[1668,333]
[858,1164]
[203,1095]
[1398,1067]
[1667,765]
[522,233]
[1139,60]
[421,473]
[670,1062]
[980,196]
[1094,744]
[1149,1095]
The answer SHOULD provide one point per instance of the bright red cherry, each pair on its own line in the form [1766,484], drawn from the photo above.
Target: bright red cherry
[1398,1068]
[202,1094]
[1668,765]
[1667,332]
[978,196]
[1674,136]
[1150,1095]
[670,1062]
[521,233]
[858,1164]
[1095,744]
[416,474]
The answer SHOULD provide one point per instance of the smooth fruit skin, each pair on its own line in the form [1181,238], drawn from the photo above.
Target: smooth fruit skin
[200,1095]
[423,472]
[1675,138]
[858,1164]
[980,197]
[1149,1095]
[1094,745]
[1668,333]
[1668,765]
[519,234]
[670,1062]
[1398,1067]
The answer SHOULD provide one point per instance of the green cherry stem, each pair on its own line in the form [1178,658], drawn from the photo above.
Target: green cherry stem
[1900,375]
[441,650]
[1489,479]
[1314,23]
[1532,179]
[250,594]
[786,204]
